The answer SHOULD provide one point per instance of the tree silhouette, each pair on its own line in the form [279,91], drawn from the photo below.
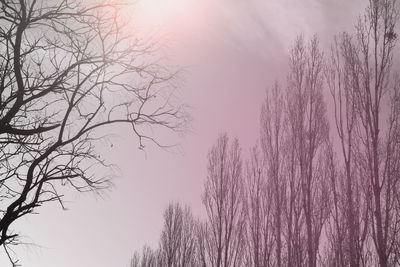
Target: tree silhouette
[223,194]
[147,258]
[272,140]
[350,209]
[370,59]
[316,192]
[311,131]
[68,69]
[259,213]
[178,244]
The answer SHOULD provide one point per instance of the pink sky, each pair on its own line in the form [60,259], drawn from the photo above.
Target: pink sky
[233,50]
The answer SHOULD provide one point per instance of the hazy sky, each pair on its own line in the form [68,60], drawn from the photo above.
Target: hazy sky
[233,50]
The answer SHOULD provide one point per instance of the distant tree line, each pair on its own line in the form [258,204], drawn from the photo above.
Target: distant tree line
[315,191]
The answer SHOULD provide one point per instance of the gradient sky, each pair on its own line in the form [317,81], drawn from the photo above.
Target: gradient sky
[233,50]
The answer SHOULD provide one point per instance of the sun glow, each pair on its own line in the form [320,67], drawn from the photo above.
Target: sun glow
[167,14]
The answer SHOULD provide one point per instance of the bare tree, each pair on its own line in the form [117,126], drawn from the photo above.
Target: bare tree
[135,261]
[272,140]
[188,249]
[147,258]
[346,186]
[222,198]
[69,68]
[370,62]
[311,130]
[202,256]
[178,241]
[293,212]
[259,213]
[171,234]
[177,244]
[307,200]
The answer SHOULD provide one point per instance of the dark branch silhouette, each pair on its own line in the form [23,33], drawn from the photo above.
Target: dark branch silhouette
[322,185]
[67,70]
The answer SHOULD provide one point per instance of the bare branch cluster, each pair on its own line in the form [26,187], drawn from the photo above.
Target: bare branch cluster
[314,195]
[178,241]
[67,70]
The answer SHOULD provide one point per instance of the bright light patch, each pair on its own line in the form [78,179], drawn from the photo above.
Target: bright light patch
[166,14]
